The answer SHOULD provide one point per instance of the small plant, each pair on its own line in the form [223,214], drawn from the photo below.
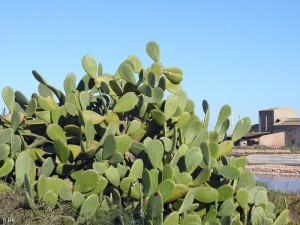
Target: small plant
[113,137]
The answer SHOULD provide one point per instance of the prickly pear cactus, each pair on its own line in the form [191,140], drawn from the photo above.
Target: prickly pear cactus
[110,137]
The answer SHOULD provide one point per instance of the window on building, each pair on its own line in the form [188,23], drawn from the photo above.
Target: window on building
[266,119]
[293,143]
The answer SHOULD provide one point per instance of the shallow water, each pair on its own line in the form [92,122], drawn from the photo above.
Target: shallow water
[279,182]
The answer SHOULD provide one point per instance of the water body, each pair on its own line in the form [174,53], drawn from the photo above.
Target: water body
[279,182]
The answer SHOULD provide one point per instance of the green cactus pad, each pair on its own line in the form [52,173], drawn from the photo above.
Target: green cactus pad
[87,181]
[117,157]
[47,103]
[8,96]
[95,118]
[89,207]
[137,65]
[123,143]
[258,216]
[173,74]
[206,153]
[242,197]
[227,208]
[127,73]
[31,108]
[122,170]
[41,187]
[172,219]
[157,96]
[84,98]
[29,192]
[6,167]
[224,149]
[70,83]
[51,198]
[193,158]
[77,199]
[152,50]
[44,91]
[229,172]
[158,116]
[145,90]
[54,132]
[130,187]
[133,127]
[241,129]
[146,182]
[47,167]
[24,165]
[261,199]
[192,130]
[168,172]
[155,151]
[223,115]
[4,151]
[62,151]
[226,192]
[246,179]
[21,98]
[281,219]
[113,176]
[179,191]
[187,201]
[183,119]
[206,194]
[166,188]
[241,161]
[171,106]
[110,146]
[126,103]
[155,209]
[65,192]
[4,188]
[89,64]
[191,219]
[16,119]
[136,170]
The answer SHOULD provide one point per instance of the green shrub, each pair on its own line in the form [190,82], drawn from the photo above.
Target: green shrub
[115,137]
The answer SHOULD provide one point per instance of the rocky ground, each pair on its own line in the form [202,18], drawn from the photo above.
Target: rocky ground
[275,169]
[260,151]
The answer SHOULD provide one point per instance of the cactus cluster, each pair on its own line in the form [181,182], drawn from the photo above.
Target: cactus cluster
[131,135]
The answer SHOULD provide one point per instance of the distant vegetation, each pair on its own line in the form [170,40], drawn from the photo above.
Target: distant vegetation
[114,144]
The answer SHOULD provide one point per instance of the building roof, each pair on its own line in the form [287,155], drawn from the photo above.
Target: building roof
[255,134]
[288,122]
[275,108]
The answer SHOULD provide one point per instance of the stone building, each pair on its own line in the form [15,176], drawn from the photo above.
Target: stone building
[278,127]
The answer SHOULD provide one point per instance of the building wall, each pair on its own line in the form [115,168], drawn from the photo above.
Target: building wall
[276,140]
[266,120]
[292,134]
[282,113]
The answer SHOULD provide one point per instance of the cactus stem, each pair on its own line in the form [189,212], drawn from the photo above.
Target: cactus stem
[180,136]
[245,217]
[165,130]
[103,101]
[37,143]
[174,139]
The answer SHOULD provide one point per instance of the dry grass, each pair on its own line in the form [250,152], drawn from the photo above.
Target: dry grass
[14,210]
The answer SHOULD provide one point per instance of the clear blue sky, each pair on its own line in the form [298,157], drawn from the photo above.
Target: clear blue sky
[242,53]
